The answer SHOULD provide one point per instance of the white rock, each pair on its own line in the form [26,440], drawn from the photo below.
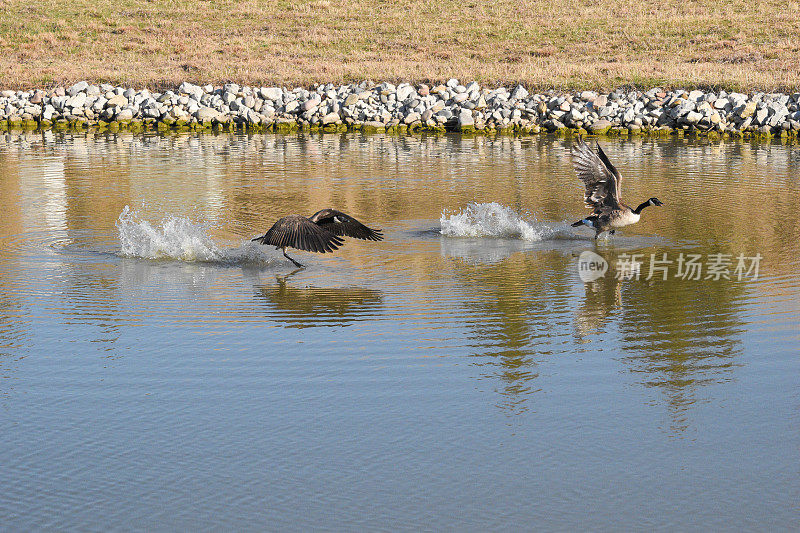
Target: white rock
[695,95]
[99,104]
[125,114]
[411,118]
[231,88]
[746,110]
[519,92]
[311,104]
[76,101]
[404,91]
[629,115]
[78,87]
[206,113]
[351,99]
[720,103]
[705,108]
[331,118]
[465,118]
[693,117]
[194,91]
[271,93]
[117,100]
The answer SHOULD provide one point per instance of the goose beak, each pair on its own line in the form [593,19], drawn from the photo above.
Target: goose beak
[657,202]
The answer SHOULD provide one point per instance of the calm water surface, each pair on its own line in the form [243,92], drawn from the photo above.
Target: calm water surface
[158,371]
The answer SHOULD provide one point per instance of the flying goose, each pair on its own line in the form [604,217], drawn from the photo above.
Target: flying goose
[321,232]
[602,181]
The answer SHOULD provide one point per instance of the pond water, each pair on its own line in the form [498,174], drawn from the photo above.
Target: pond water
[159,371]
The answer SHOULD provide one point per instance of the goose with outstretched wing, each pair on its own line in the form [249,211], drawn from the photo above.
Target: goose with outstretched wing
[602,182]
[322,232]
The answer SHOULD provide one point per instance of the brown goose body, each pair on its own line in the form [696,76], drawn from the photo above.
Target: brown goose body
[602,195]
[321,232]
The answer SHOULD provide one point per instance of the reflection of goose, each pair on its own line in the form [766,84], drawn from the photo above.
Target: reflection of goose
[321,232]
[319,306]
[602,298]
[602,194]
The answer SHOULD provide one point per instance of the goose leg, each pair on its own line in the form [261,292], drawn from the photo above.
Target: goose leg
[290,259]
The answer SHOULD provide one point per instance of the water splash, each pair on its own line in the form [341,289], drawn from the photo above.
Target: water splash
[181,239]
[496,220]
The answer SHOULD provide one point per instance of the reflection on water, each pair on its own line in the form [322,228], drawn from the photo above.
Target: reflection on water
[677,335]
[602,300]
[133,302]
[76,185]
[518,318]
[684,337]
[302,307]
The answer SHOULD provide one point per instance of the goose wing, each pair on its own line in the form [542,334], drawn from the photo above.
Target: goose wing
[297,231]
[612,169]
[598,175]
[342,224]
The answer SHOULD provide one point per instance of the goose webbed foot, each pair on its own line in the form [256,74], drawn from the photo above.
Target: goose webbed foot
[607,232]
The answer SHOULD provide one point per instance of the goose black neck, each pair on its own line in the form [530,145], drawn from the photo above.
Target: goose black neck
[641,206]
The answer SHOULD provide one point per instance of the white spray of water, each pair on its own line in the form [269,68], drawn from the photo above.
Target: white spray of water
[495,220]
[180,238]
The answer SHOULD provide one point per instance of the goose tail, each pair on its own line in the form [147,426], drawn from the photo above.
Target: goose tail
[583,222]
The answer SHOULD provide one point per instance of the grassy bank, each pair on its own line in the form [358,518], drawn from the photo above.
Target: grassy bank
[601,44]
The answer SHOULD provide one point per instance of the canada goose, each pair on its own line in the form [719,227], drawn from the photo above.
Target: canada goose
[321,232]
[602,194]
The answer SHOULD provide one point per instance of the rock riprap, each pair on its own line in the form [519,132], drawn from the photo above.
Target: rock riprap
[367,106]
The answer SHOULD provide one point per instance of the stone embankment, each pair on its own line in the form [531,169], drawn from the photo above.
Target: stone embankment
[401,108]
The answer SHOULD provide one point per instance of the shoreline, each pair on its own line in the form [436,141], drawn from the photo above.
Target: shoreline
[404,108]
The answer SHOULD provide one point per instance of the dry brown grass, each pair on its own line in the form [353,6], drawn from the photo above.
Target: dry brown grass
[598,44]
